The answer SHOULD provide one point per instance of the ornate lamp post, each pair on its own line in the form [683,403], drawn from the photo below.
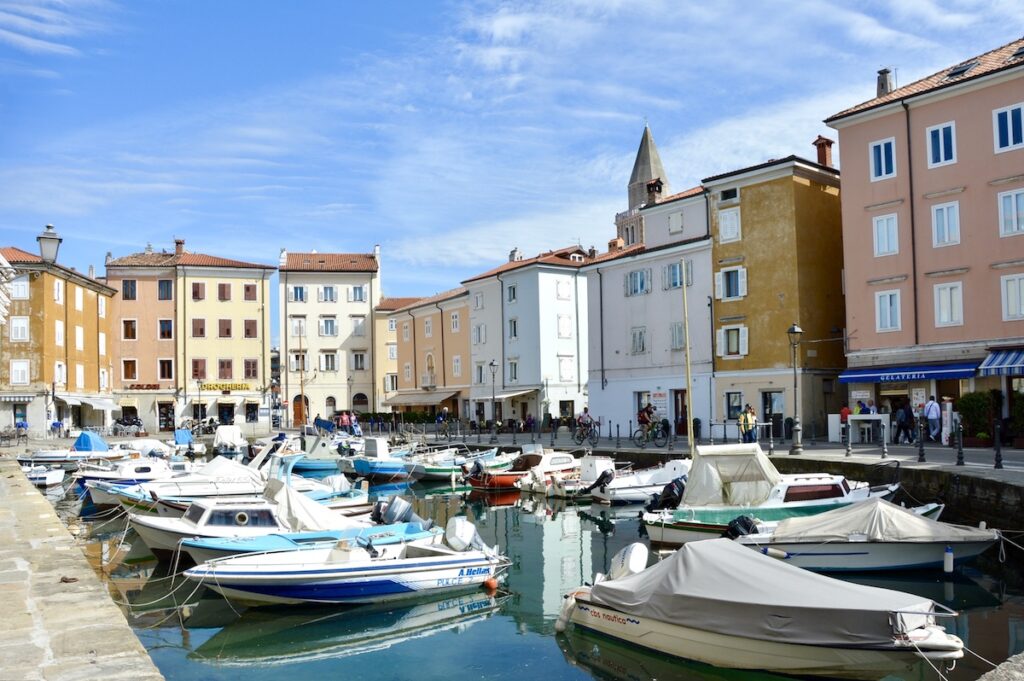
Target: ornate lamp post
[493,366]
[794,333]
[49,244]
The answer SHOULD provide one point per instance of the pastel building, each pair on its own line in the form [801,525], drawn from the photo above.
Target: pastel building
[328,335]
[191,338]
[55,352]
[385,350]
[933,232]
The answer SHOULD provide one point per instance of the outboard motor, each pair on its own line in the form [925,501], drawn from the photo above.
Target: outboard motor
[602,481]
[398,510]
[670,497]
[461,535]
[377,512]
[740,527]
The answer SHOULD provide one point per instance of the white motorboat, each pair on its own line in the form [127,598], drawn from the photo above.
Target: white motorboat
[446,462]
[717,603]
[873,535]
[43,476]
[228,441]
[637,487]
[534,463]
[131,471]
[88,446]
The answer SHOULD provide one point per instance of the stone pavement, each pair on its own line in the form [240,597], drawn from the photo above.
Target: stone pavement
[60,623]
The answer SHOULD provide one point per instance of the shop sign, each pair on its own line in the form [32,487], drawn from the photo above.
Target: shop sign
[860,395]
[224,386]
[143,386]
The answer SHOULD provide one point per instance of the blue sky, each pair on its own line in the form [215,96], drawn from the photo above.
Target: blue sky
[448,133]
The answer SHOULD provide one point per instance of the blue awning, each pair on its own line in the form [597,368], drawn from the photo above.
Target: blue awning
[1003,363]
[923,372]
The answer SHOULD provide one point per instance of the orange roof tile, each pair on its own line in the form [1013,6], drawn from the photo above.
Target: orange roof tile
[161,259]
[685,194]
[13,254]
[436,298]
[388,304]
[558,257]
[999,59]
[330,262]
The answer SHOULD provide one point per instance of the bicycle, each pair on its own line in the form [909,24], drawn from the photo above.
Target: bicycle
[650,433]
[587,431]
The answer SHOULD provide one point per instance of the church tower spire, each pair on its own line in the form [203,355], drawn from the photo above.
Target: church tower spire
[646,169]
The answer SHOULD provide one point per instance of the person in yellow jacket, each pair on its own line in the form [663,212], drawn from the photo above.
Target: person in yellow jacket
[748,424]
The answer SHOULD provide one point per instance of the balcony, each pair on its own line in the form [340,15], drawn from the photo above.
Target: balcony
[428,381]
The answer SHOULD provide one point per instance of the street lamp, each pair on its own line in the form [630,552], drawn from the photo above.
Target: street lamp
[49,242]
[493,366]
[350,380]
[794,333]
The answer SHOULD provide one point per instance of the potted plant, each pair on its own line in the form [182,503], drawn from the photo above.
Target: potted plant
[976,412]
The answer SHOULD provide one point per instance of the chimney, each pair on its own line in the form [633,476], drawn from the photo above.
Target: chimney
[110,256]
[654,188]
[376,252]
[514,255]
[884,86]
[179,246]
[616,244]
[283,260]
[92,272]
[592,253]
[824,146]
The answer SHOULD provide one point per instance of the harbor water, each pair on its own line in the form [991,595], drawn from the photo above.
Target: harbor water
[193,633]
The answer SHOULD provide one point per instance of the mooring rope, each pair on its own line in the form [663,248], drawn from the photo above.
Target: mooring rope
[925,658]
[994,665]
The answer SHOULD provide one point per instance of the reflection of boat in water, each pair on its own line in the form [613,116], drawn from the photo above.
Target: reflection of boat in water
[155,592]
[957,591]
[494,499]
[269,637]
[609,519]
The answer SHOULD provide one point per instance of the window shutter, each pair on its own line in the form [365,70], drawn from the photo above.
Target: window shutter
[349,294]
[742,281]
[625,284]
[665,274]
[483,334]
[689,272]
[291,294]
[322,330]
[647,280]
[320,294]
[719,284]
[720,342]
[743,340]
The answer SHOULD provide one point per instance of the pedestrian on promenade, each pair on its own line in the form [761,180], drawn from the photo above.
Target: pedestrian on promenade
[933,413]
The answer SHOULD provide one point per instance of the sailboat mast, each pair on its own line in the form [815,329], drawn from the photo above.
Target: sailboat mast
[686,344]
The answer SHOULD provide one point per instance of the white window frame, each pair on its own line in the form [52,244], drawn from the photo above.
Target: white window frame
[407,371]
[742,341]
[296,294]
[101,305]
[876,177]
[455,322]
[638,340]
[428,328]
[58,332]
[58,291]
[328,294]
[513,371]
[942,150]
[296,326]
[457,366]
[60,371]
[566,368]
[946,210]
[638,282]
[676,337]
[1016,216]
[741,283]
[358,325]
[480,334]
[888,222]
[1008,110]
[297,361]
[129,319]
[879,295]
[725,216]
[101,340]
[405,331]
[390,383]
[672,274]
[479,373]
[79,298]
[129,359]
[104,380]
[392,325]
[19,330]
[20,288]
[358,360]
[328,321]
[79,337]
[357,294]
[675,222]
[564,324]
[952,295]
[511,293]
[478,301]
[392,351]
[328,361]
[20,372]
[513,328]
[79,376]
[1017,283]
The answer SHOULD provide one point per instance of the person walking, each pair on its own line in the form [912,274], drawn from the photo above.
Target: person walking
[752,424]
[745,423]
[933,413]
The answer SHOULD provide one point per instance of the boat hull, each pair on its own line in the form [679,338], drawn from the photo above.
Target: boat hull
[867,556]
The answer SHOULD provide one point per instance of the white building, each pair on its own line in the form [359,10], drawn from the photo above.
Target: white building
[327,333]
[528,322]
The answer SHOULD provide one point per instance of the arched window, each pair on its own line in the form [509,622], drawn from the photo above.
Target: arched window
[359,402]
[330,405]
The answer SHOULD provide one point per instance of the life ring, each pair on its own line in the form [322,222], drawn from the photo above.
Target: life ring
[241,518]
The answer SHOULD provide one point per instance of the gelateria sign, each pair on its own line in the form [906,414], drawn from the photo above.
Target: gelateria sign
[224,386]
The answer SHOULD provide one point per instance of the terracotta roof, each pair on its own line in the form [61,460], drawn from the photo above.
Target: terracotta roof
[330,262]
[13,255]
[558,257]
[436,298]
[388,304]
[692,191]
[635,249]
[771,162]
[161,259]
[999,59]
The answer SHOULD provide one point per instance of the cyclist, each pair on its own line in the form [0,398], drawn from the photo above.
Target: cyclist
[585,420]
[645,417]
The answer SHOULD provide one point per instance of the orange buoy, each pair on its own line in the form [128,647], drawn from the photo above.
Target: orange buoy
[491,584]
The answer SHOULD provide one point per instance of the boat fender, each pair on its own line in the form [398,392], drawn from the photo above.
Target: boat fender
[947,560]
[775,553]
[568,605]
[241,518]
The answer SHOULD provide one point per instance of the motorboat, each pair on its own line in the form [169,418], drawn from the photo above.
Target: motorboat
[637,487]
[131,471]
[550,465]
[89,446]
[446,462]
[43,476]
[229,442]
[149,447]
[576,486]
[716,602]
[184,443]
[356,572]
[726,481]
[872,535]
[380,462]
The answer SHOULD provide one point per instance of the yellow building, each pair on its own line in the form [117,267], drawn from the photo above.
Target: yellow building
[777,260]
[55,357]
[385,350]
[192,338]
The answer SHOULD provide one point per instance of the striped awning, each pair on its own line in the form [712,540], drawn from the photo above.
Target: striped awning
[922,372]
[1003,363]
[129,402]
[16,398]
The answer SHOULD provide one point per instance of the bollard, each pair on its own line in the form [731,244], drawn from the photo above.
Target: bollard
[515,427]
[920,441]
[554,429]
[494,431]
[885,441]
[711,432]
[959,444]
[478,432]
[771,439]
[609,430]
[618,440]
[849,445]
[533,433]
[671,437]
[999,445]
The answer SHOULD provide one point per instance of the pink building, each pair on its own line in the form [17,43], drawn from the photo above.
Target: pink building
[933,232]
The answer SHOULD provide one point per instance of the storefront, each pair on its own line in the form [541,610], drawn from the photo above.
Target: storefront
[889,387]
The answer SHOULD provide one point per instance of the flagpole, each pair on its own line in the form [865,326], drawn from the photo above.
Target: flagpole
[689,382]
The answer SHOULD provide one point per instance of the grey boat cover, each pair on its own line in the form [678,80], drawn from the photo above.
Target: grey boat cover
[719,586]
[880,521]
[302,514]
[735,475]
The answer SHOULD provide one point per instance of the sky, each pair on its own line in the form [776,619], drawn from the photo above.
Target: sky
[447,132]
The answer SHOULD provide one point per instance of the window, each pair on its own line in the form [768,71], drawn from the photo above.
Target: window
[251,369]
[199,328]
[223,328]
[79,338]
[19,288]
[328,361]
[733,405]
[732,341]
[250,328]
[249,292]
[328,326]
[946,224]
[359,326]
[166,369]
[564,326]
[638,340]
[731,194]
[199,369]
[1012,286]
[638,282]
[731,283]
[392,325]
[883,159]
[359,361]
[887,311]
[407,370]
[102,342]
[79,298]
[104,383]
[941,144]
[513,371]
[225,369]
[949,304]
[457,365]
[729,225]
[676,336]
[1007,127]
[198,290]
[455,322]
[479,334]
[166,329]
[405,331]
[478,301]
[129,370]
[101,306]
[358,294]
[328,294]
[298,326]
[19,372]
[60,373]
[19,329]
[1011,212]
[390,382]
[58,332]
[297,294]
[563,290]
[392,351]
[672,274]
[129,329]
[223,292]
[428,327]
[298,362]
[510,293]
[164,289]
[80,376]
[886,237]
[513,329]
[479,374]
[566,368]
[128,289]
